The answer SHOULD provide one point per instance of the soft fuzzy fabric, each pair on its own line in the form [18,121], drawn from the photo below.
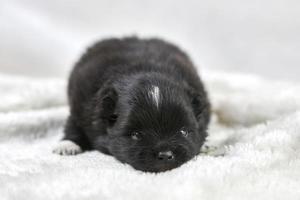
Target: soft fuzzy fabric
[255,129]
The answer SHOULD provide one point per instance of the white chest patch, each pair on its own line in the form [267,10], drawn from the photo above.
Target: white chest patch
[154,93]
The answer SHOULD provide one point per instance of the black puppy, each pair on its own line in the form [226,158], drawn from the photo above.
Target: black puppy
[140,101]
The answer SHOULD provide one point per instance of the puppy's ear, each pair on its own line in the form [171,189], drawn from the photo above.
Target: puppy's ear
[200,105]
[108,101]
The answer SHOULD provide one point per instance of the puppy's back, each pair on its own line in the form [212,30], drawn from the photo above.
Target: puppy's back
[110,59]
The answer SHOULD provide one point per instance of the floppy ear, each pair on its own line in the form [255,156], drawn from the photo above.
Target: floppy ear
[200,105]
[108,101]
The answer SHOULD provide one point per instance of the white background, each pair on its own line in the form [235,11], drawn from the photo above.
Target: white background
[44,38]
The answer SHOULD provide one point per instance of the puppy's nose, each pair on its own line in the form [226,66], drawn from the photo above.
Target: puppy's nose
[165,156]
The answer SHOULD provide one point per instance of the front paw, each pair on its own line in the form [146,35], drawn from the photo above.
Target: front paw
[67,147]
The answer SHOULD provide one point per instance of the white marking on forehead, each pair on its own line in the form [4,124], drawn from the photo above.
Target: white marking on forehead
[154,92]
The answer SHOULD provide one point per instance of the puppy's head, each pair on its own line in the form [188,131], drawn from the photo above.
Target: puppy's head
[155,125]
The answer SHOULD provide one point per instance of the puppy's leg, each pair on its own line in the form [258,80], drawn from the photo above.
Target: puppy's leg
[74,141]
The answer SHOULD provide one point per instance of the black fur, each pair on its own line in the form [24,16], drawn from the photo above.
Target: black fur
[113,111]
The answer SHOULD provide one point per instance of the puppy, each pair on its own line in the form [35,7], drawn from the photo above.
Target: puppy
[139,100]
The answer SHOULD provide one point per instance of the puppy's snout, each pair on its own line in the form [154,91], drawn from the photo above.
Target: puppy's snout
[165,156]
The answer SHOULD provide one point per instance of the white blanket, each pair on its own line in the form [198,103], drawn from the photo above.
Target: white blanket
[254,147]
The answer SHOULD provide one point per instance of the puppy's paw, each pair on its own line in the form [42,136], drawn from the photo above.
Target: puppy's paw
[213,151]
[67,147]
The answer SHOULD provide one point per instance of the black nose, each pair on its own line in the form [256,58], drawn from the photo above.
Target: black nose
[165,156]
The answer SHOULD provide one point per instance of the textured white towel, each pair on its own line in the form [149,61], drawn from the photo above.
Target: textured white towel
[256,125]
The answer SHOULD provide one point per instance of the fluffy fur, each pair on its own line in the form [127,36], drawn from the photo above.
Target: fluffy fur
[140,101]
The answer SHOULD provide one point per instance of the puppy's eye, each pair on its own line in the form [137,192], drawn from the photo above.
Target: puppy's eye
[184,132]
[135,135]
